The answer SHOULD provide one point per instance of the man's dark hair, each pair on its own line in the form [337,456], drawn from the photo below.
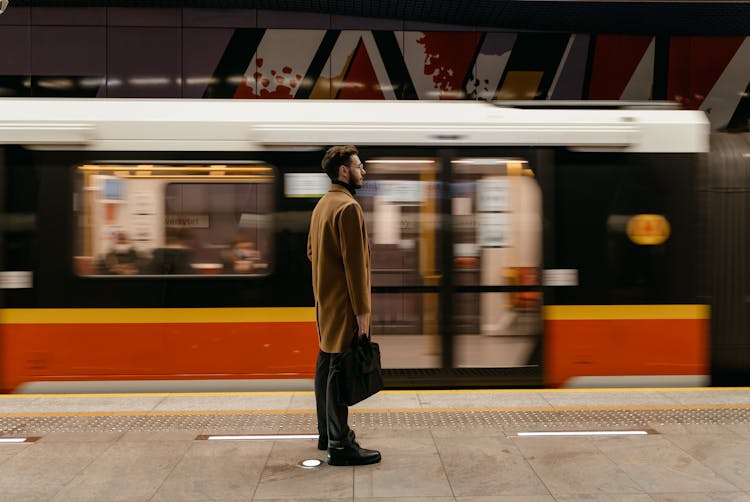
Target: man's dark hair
[337,156]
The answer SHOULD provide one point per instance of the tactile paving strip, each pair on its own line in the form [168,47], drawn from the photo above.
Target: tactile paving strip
[299,422]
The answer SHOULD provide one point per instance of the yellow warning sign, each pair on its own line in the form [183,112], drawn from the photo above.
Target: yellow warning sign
[648,229]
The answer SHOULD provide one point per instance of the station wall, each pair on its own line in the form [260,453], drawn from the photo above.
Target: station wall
[247,54]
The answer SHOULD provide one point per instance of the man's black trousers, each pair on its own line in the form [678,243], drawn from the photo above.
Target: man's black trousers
[332,416]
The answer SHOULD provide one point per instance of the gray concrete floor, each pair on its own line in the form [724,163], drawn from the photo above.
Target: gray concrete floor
[436,445]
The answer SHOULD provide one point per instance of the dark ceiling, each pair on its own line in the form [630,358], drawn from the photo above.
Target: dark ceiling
[593,16]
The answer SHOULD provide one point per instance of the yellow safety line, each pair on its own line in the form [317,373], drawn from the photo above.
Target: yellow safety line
[379,410]
[620,312]
[157,315]
[307,314]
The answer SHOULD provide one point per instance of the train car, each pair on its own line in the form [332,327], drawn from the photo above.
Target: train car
[160,244]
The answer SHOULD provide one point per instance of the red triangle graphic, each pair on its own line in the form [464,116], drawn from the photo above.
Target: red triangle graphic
[695,64]
[360,80]
[615,59]
[449,56]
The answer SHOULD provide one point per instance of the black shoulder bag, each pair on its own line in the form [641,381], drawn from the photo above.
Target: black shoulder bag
[360,370]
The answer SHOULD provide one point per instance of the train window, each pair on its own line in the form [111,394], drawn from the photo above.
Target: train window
[165,219]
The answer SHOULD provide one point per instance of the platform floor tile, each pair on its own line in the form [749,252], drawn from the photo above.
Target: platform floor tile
[396,400]
[41,470]
[126,471]
[726,454]
[483,400]
[658,466]
[701,497]
[216,470]
[81,404]
[739,428]
[573,465]
[608,497]
[283,478]
[274,401]
[414,469]
[705,396]
[611,398]
[9,451]
[486,466]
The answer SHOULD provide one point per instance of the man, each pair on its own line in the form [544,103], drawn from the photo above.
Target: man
[122,259]
[339,250]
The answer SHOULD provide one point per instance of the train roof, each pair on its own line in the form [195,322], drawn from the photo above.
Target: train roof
[243,125]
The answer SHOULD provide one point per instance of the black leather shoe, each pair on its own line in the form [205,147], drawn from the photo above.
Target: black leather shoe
[322,443]
[352,455]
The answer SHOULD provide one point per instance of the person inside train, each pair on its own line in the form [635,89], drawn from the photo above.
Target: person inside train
[242,256]
[122,258]
[176,256]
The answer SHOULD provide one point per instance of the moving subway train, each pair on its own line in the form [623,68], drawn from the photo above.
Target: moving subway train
[572,244]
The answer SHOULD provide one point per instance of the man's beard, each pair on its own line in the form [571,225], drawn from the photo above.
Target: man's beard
[352,178]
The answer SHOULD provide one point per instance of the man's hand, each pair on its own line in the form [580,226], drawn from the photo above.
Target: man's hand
[363,322]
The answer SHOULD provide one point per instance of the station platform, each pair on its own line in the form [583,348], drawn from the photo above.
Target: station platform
[690,444]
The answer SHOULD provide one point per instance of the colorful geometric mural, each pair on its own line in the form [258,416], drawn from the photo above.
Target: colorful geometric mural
[622,67]
[705,73]
[700,72]
[708,73]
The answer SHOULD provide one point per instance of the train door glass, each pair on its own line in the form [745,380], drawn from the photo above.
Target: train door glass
[400,201]
[496,211]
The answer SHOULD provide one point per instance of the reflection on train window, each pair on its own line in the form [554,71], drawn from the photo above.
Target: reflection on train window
[174,219]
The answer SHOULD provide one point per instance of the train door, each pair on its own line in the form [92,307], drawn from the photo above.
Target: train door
[496,214]
[402,207]
[456,256]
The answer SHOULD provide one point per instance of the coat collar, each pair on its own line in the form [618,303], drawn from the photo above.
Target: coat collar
[346,185]
[339,188]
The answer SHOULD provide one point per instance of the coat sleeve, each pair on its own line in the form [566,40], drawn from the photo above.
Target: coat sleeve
[356,257]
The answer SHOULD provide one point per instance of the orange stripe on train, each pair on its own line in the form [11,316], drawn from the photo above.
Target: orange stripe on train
[146,351]
[609,347]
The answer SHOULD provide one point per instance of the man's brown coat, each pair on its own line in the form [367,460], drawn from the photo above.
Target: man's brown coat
[339,250]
